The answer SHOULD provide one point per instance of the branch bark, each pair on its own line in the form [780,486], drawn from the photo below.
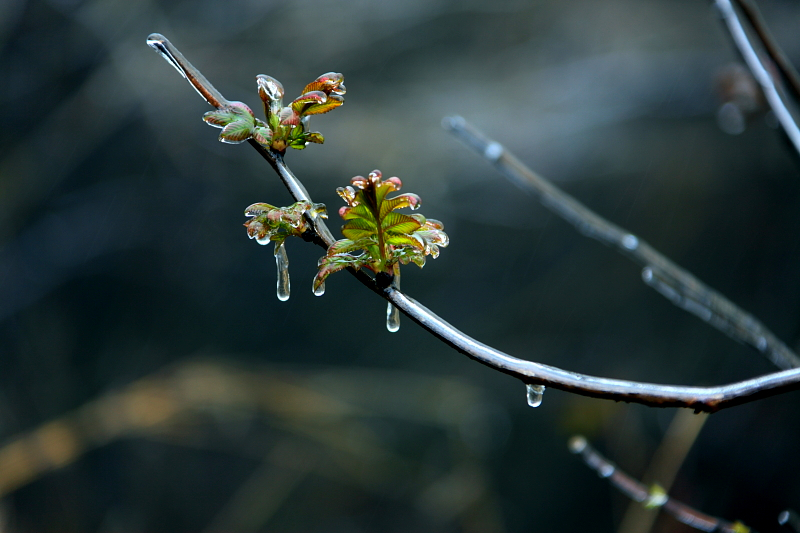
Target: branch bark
[698,398]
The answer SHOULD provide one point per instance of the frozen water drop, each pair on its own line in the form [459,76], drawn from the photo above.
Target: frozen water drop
[647,274]
[493,151]
[392,318]
[630,242]
[606,470]
[263,240]
[282,261]
[535,393]
[577,444]
[761,344]
[319,291]
[783,517]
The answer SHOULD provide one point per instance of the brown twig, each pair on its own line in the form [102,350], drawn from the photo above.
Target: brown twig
[698,398]
[650,497]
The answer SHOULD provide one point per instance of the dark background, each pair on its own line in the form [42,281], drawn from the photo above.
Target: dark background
[151,381]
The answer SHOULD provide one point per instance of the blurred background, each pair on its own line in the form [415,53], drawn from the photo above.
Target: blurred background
[151,381]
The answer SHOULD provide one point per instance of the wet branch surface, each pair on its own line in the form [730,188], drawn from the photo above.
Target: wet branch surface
[639,492]
[698,398]
[766,62]
[675,283]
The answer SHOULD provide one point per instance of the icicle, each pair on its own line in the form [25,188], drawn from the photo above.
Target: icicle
[282,261]
[392,318]
[535,393]
[392,313]
[319,291]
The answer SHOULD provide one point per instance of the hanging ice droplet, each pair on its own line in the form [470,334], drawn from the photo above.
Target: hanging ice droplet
[319,291]
[535,393]
[630,242]
[392,318]
[282,262]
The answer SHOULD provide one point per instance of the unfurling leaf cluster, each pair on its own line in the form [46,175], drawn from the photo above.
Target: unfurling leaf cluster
[276,224]
[285,126]
[385,237]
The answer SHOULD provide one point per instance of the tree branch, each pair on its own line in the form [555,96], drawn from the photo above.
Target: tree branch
[698,398]
[764,60]
[675,283]
[651,498]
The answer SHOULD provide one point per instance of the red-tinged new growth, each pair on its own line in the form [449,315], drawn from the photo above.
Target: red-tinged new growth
[385,237]
[285,126]
[276,224]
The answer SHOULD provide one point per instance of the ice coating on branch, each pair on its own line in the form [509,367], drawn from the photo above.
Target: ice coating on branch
[535,394]
[282,262]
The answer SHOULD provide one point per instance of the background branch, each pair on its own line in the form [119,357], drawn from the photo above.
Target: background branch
[675,283]
[756,55]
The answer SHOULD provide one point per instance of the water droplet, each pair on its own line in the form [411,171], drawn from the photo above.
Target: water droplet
[319,291]
[493,151]
[577,444]
[282,261]
[606,470]
[535,393]
[647,274]
[783,517]
[263,240]
[630,242]
[761,344]
[731,119]
[392,318]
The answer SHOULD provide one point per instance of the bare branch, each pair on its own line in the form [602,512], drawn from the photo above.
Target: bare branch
[698,398]
[756,55]
[650,497]
[675,283]
[753,15]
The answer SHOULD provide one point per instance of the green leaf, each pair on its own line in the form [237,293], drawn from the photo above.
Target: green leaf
[236,120]
[373,225]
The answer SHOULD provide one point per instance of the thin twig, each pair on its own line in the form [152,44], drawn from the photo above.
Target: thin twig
[756,56]
[753,15]
[698,398]
[639,492]
[675,283]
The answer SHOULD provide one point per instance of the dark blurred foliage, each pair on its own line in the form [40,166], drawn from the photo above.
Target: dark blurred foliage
[122,255]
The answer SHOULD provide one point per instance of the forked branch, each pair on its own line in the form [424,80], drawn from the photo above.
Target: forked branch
[675,283]
[531,373]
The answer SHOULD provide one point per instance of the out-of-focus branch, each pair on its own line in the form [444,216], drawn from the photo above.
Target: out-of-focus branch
[536,374]
[675,283]
[790,518]
[753,16]
[651,497]
[764,60]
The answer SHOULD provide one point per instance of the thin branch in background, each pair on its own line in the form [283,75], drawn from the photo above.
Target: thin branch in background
[534,375]
[764,66]
[790,518]
[675,283]
[651,497]
[754,18]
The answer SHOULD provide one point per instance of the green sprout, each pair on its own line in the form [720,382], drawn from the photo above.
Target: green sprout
[285,126]
[387,238]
